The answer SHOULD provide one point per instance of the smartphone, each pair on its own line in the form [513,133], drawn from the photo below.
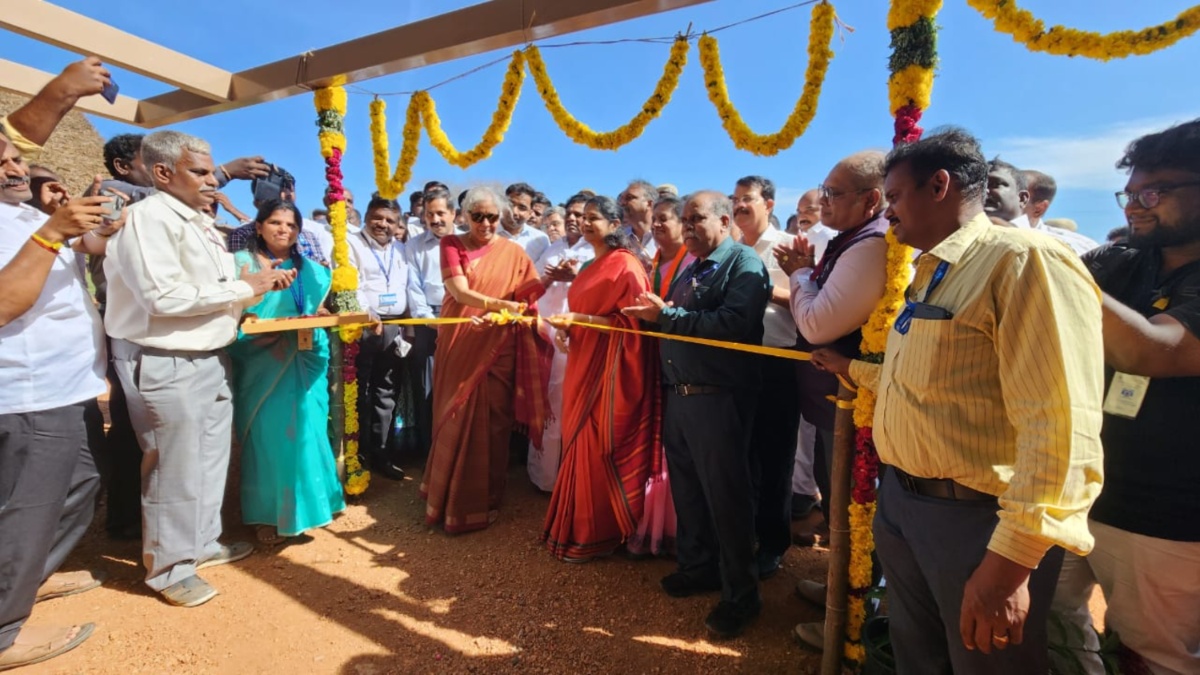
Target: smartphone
[112,210]
[110,91]
[268,187]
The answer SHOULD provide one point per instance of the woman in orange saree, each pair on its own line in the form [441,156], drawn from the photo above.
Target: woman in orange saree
[489,378]
[611,412]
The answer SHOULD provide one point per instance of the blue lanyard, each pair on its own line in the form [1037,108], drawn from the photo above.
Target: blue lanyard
[296,289]
[904,320]
[387,271]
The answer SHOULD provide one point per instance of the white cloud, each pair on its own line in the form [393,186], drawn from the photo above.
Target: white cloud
[1085,161]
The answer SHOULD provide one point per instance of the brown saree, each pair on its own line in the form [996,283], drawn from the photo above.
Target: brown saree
[488,381]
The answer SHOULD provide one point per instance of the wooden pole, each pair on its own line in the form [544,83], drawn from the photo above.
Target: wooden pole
[337,409]
[838,580]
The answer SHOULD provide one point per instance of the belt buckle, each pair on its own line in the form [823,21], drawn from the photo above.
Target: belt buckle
[684,389]
[907,482]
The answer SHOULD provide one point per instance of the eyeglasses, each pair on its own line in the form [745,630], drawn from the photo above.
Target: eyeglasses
[829,194]
[1150,197]
[492,218]
[746,200]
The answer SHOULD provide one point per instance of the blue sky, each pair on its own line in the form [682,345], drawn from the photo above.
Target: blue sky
[1068,117]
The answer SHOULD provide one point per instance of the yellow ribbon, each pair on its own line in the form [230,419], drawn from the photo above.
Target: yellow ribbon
[722,344]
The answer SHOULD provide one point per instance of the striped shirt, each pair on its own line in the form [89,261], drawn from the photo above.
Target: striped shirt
[1006,396]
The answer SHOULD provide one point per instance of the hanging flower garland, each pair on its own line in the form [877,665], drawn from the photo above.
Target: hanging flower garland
[390,187]
[331,113]
[625,134]
[1030,31]
[820,34]
[914,57]
[510,93]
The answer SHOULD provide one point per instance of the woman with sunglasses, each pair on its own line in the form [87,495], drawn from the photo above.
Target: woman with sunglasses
[489,378]
[281,399]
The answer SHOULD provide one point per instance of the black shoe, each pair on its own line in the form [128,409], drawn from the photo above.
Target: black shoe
[802,505]
[768,565]
[729,619]
[682,585]
[388,470]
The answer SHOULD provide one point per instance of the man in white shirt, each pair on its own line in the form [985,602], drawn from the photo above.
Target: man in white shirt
[52,364]
[1042,190]
[387,288]
[808,222]
[423,254]
[517,228]
[777,413]
[558,267]
[174,303]
[637,209]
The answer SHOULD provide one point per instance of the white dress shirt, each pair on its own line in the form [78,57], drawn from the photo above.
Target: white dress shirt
[52,355]
[414,227]
[171,283]
[554,300]
[850,293]
[386,283]
[534,241]
[1078,242]
[819,236]
[423,254]
[323,236]
[779,330]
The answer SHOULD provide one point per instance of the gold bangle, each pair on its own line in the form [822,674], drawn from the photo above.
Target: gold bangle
[52,246]
[486,301]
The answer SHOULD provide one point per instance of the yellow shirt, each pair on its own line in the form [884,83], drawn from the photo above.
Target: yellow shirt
[1005,397]
[29,150]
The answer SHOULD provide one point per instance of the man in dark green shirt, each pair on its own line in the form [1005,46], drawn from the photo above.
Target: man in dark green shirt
[709,410]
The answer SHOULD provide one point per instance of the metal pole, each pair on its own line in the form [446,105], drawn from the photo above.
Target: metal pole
[838,580]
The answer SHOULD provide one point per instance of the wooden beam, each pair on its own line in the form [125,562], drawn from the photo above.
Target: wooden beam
[499,24]
[29,81]
[83,35]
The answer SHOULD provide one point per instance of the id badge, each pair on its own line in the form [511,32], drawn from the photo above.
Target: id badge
[387,299]
[1125,395]
[304,339]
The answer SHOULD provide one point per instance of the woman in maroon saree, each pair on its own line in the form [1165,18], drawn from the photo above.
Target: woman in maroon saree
[489,379]
[610,425]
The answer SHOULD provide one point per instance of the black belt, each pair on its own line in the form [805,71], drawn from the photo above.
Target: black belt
[940,488]
[694,389]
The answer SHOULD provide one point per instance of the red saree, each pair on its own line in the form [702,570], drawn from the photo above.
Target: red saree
[611,417]
[488,380]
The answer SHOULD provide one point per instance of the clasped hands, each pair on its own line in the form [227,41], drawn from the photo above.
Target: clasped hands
[269,278]
[566,270]
[795,255]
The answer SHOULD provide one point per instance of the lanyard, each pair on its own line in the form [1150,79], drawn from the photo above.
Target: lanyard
[661,285]
[387,270]
[904,319]
[938,275]
[296,289]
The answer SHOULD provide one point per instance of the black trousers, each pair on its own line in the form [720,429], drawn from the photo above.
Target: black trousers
[773,455]
[380,375]
[421,361]
[823,466]
[48,488]
[707,438]
[929,548]
[121,460]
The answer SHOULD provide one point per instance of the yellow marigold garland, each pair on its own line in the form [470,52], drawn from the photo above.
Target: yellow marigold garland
[625,134]
[390,187]
[1030,31]
[509,95]
[819,54]
[903,13]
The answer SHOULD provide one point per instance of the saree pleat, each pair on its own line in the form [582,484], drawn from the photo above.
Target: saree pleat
[611,417]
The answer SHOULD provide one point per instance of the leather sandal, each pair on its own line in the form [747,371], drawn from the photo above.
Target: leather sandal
[62,584]
[19,654]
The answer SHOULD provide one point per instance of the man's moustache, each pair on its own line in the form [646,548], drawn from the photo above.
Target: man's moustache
[16,182]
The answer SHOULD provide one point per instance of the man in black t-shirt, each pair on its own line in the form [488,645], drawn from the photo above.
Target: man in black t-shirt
[1147,519]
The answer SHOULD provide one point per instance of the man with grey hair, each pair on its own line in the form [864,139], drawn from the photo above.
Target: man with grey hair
[637,215]
[709,402]
[1042,190]
[174,302]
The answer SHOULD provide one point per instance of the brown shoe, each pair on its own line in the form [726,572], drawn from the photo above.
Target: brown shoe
[62,584]
[35,644]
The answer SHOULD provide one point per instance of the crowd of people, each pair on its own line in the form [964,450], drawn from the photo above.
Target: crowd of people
[1031,413]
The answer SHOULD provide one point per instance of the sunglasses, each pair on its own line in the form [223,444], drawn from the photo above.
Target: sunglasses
[492,218]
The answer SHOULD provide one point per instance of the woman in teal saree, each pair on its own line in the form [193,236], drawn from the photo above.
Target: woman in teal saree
[281,393]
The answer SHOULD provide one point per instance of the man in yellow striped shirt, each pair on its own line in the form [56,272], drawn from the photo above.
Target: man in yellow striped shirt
[988,419]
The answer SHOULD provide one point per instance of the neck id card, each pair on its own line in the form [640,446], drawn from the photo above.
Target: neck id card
[1125,395]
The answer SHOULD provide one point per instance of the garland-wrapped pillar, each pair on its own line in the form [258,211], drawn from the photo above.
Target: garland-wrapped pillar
[838,579]
[331,112]
[914,57]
